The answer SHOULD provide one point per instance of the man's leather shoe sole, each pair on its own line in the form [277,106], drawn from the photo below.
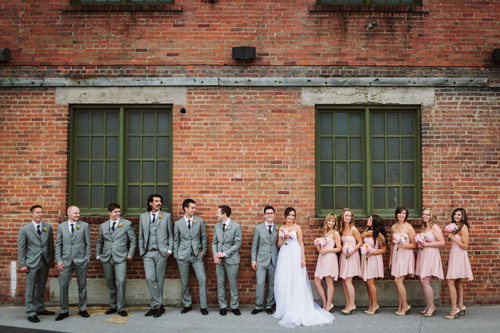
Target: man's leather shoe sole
[204,311]
[186,309]
[236,312]
[223,312]
[45,313]
[34,319]
[123,313]
[61,316]
[84,314]
[111,311]
[255,311]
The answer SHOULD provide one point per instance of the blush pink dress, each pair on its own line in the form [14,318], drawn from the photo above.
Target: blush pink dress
[327,264]
[458,263]
[373,266]
[349,267]
[403,261]
[429,260]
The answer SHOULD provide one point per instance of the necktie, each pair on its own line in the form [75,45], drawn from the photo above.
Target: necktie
[223,227]
[72,229]
[270,229]
[153,221]
[114,226]
[189,224]
[38,230]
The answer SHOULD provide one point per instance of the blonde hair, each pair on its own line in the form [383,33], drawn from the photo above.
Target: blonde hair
[329,217]
[341,219]
[432,220]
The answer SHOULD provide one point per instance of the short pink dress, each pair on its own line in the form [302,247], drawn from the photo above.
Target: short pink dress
[327,264]
[429,260]
[373,266]
[458,263]
[349,267]
[403,261]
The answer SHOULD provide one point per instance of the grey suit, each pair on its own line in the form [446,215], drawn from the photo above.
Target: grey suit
[155,261]
[188,245]
[228,242]
[264,253]
[111,249]
[37,253]
[73,250]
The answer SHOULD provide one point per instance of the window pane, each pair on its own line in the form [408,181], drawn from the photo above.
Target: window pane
[378,149]
[355,127]
[133,197]
[379,198]
[355,150]
[409,197]
[407,148]
[148,147]
[341,173]
[356,174]
[378,123]
[112,147]
[148,172]
[97,172]
[96,197]
[392,148]
[82,172]
[98,122]
[112,123]
[163,123]
[134,123]
[393,173]
[340,123]
[162,172]
[326,173]
[393,197]
[356,198]
[82,145]
[340,148]
[134,147]
[82,196]
[326,149]
[134,171]
[379,173]
[111,172]
[146,192]
[392,119]
[111,194]
[325,123]
[407,125]
[97,147]
[148,125]
[163,147]
[341,198]
[327,198]
[408,173]
[164,192]
[83,123]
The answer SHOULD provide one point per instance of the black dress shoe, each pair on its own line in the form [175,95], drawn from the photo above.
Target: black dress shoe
[158,313]
[186,309]
[269,311]
[61,316]
[34,319]
[162,309]
[255,311]
[150,312]
[123,313]
[84,314]
[110,311]
[223,312]
[236,312]
[204,311]
[45,313]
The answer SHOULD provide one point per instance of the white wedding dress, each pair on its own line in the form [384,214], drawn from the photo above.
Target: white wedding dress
[292,291]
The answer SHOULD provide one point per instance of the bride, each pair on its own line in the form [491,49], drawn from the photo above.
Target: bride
[292,291]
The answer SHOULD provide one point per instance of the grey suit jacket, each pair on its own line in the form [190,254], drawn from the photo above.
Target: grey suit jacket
[190,241]
[165,233]
[114,245]
[31,247]
[228,242]
[264,245]
[73,248]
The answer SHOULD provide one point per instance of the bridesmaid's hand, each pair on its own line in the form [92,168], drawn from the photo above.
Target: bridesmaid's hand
[303,263]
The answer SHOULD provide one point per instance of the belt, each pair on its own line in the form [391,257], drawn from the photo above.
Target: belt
[154,249]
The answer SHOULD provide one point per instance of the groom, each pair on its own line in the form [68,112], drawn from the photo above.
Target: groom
[264,256]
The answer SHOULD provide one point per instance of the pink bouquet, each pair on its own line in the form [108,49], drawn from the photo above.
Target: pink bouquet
[420,238]
[400,239]
[347,249]
[451,228]
[320,241]
[365,249]
[285,235]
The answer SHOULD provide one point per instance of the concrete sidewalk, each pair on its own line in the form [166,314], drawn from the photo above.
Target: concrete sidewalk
[478,319]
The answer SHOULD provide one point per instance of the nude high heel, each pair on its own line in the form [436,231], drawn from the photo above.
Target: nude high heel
[462,311]
[372,312]
[405,312]
[456,315]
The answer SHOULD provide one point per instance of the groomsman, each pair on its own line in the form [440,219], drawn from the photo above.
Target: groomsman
[264,255]
[115,246]
[190,249]
[73,254]
[156,243]
[225,247]
[35,251]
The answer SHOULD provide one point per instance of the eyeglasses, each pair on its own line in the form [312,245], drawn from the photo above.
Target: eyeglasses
[268,213]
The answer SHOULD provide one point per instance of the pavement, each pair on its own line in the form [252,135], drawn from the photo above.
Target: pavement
[478,319]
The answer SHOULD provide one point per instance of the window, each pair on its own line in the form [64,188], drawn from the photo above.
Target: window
[367,159]
[120,154]
[371,2]
[122,2]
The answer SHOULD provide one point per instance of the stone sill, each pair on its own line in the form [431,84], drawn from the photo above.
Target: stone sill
[123,8]
[313,8]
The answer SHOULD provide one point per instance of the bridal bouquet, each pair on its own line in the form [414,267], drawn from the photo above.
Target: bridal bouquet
[400,239]
[348,249]
[420,238]
[285,235]
[365,249]
[451,228]
[320,241]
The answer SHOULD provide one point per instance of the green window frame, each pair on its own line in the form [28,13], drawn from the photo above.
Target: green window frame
[371,2]
[121,2]
[119,154]
[368,159]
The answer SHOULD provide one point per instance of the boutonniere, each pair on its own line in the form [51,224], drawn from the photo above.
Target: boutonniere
[227,227]
[78,227]
[44,229]
[120,225]
[194,221]
[159,216]
[277,228]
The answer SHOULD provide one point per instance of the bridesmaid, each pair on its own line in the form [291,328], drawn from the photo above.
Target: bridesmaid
[458,262]
[402,259]
[372,263]
[429,259]
[349,262]
[327,266]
